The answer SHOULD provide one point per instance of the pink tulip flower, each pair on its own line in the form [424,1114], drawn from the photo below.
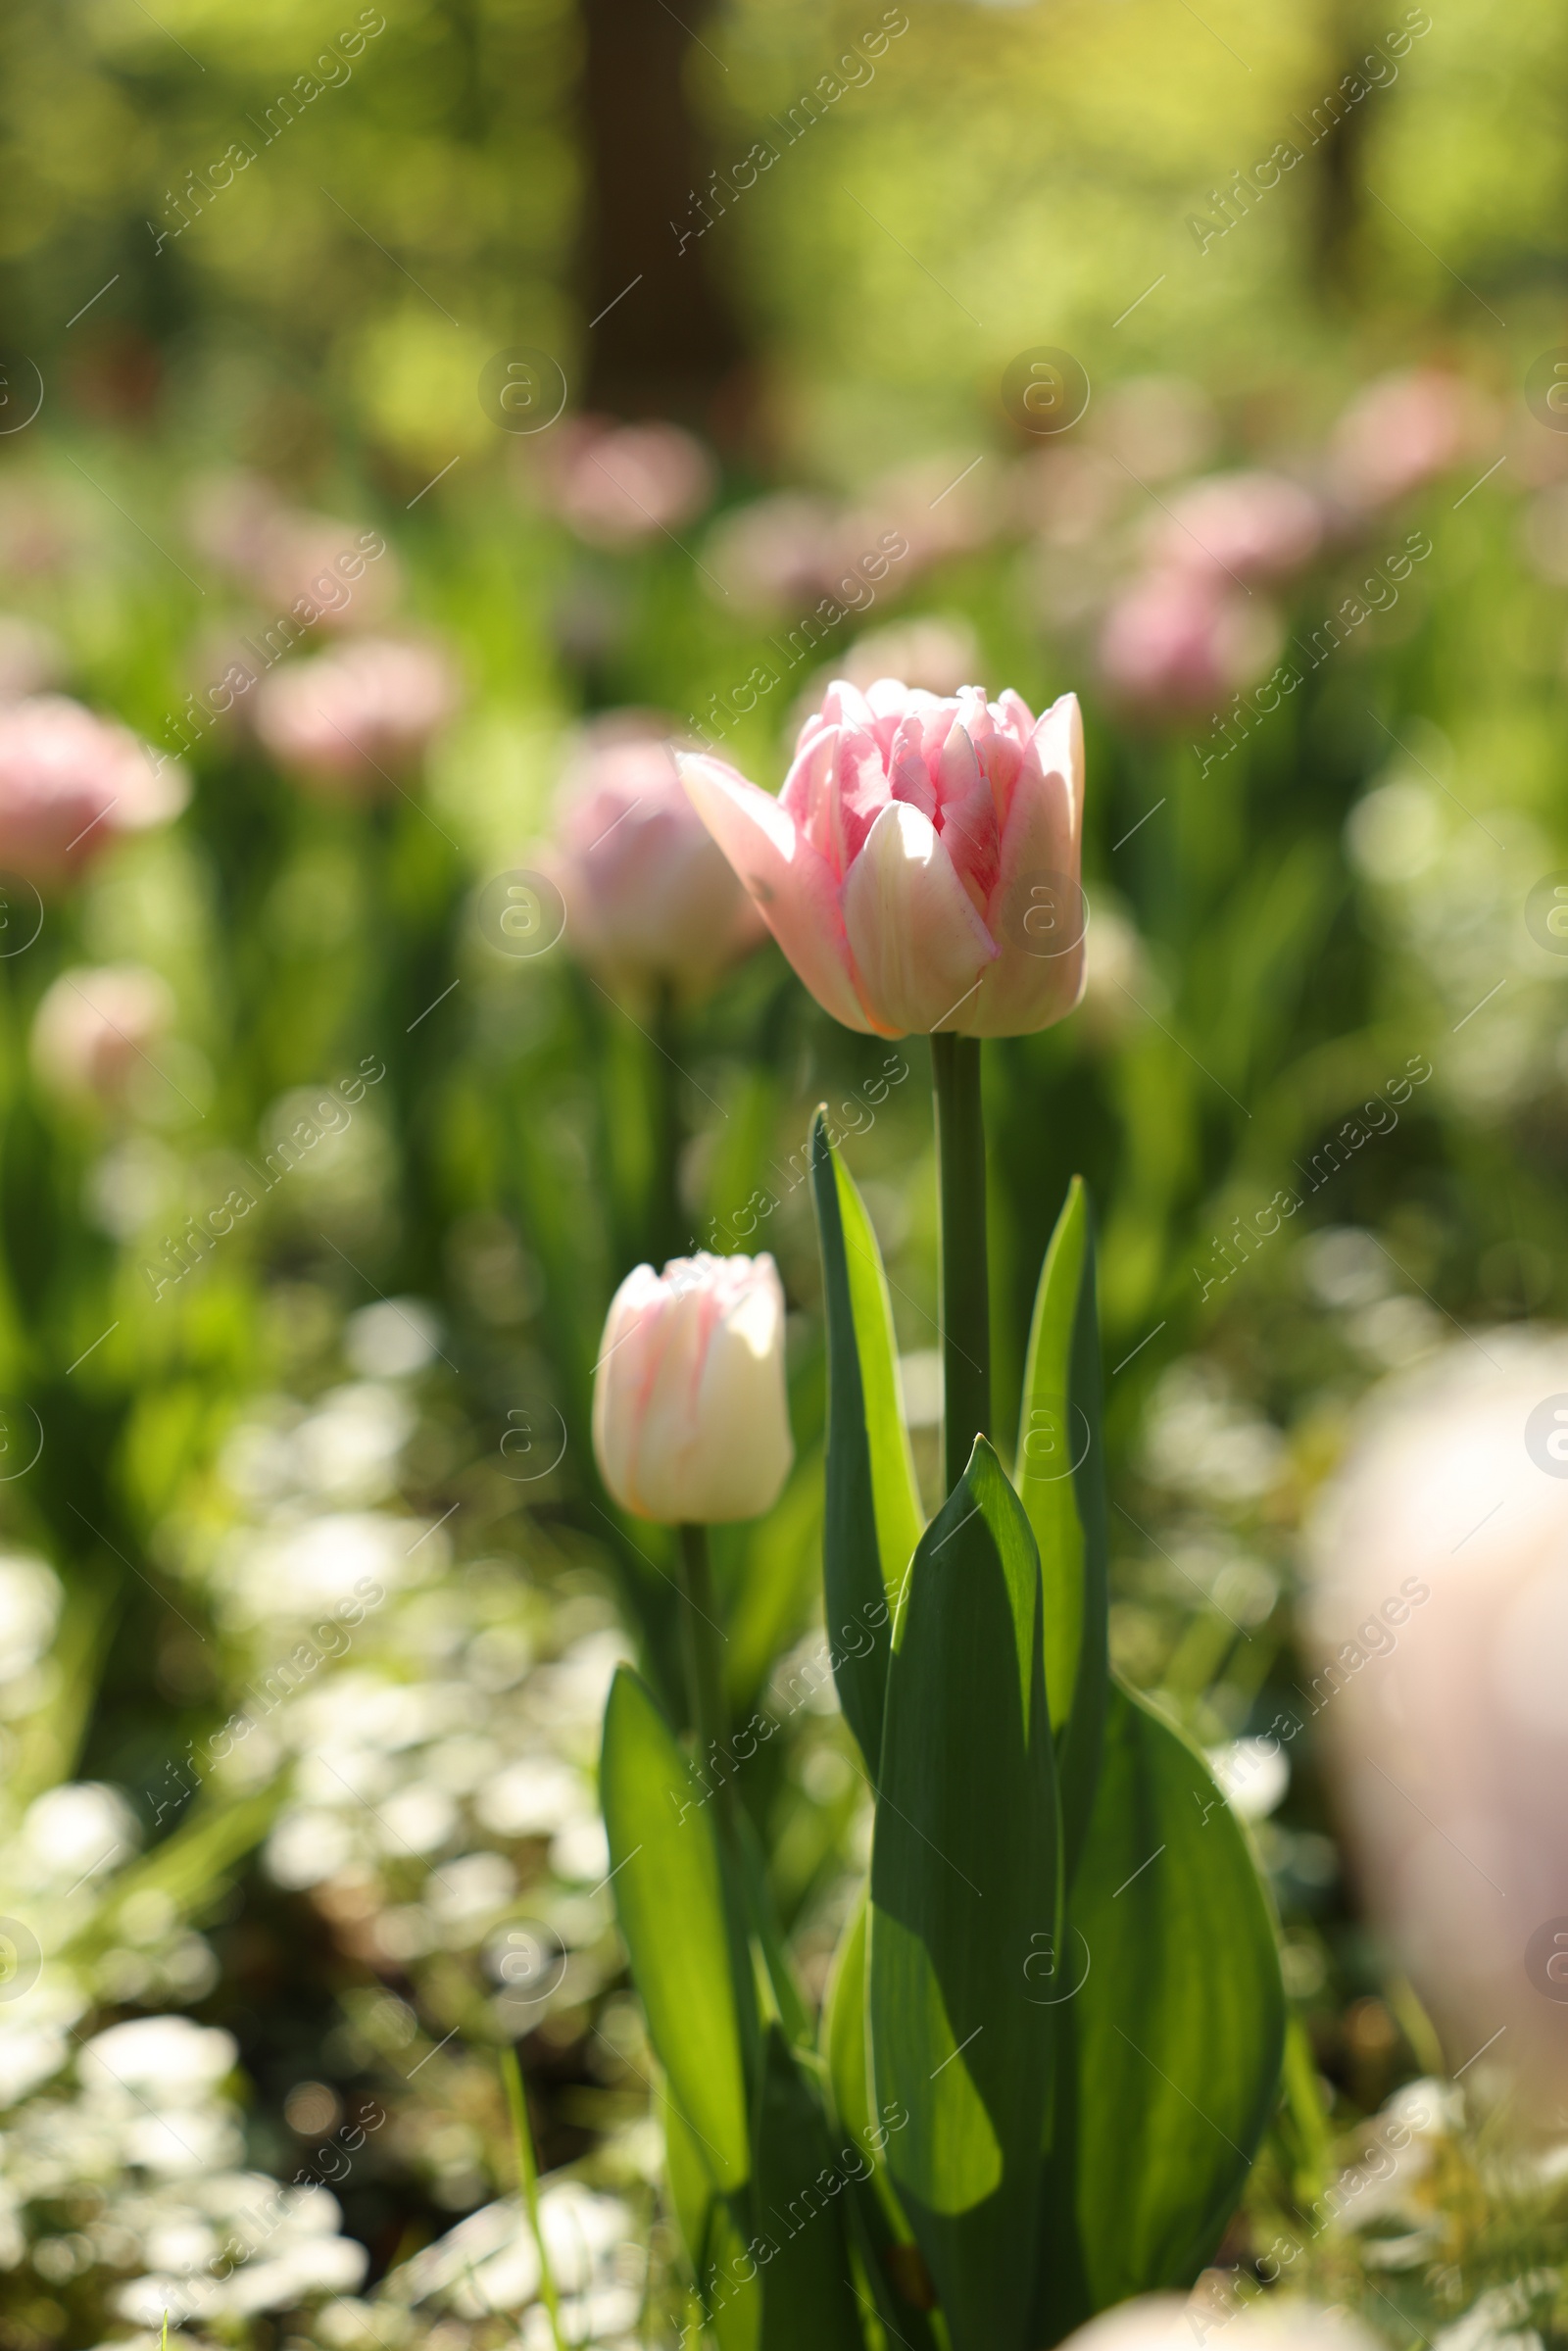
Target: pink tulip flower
[70,783]
[94,1029]
[1178,640]
[691,1423]
[920,866]
[1435,1662]
[1248,526]
[649,897]
[615,484]
[355,719]
[1402,431]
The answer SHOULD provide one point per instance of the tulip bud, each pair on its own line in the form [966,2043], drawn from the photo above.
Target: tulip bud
[920,866]
[690,1419]
[1435,1670]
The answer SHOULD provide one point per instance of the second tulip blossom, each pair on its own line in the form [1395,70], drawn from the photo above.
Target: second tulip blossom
[690,1418]
[920,866]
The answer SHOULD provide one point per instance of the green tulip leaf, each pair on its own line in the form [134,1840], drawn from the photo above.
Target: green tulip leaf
[1172,2030]
[892,2263]
[965,1891]
[873,1512]
[802,2195]
[670,1902]
[1060,1479]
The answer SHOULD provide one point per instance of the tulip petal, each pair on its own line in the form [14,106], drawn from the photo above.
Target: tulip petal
[918,945]
[1028,987]
[792,886]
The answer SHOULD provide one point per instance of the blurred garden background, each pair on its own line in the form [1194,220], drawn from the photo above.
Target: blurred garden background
[413,420]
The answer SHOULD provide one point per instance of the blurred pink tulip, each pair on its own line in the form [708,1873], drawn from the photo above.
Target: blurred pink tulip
[778,552]
[93,1030]
[920,866]
[1178,640]
[1437,1662]
[322,571]
[690,1418]
[1251,527]
[70,782]
[356,717]
[618,483]
[648,895]
[1402,431]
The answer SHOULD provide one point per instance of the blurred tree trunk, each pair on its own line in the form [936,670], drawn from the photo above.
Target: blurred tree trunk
[670,339]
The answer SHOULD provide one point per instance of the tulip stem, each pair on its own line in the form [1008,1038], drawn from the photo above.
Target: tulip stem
[704,1685]
[668,1129]
[965,1276]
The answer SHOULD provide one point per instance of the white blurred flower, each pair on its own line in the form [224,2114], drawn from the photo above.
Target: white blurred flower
[78,1830]
[347,1449]
[1253,1775]
[308,1846]
[30,1610]
[180,2063]
[391,1339]
[535,1796]
[1199,1440]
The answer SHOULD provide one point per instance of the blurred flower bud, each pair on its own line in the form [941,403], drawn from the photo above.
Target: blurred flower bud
[70,782]
[1252,526]
[649,896]
[94,1028]
[920,866]
[1436,1664]
[356,717]
[690,1417]
[1177,642]
[615,484]
[1402,431]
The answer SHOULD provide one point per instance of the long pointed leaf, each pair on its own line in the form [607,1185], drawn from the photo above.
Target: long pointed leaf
[1172,2043]
[670,1902]
[872,1513]
[894,2263]
[801,2195]
[1060,1479]
[964,1883]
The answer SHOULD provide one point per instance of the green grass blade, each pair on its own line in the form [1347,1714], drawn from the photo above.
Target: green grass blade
[528,2183]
